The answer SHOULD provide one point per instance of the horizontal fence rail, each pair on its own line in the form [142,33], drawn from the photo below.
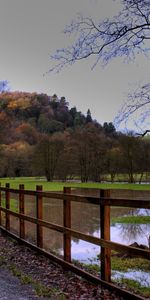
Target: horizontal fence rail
[104,201]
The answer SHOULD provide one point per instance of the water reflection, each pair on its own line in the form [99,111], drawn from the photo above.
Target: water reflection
[130,233]
[85,252]
[85,218]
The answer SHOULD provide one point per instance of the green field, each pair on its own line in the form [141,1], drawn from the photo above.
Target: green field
[31,182]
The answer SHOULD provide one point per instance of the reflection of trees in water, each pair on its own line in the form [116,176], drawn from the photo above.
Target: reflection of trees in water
[85,218]
[132,231]
[52,240]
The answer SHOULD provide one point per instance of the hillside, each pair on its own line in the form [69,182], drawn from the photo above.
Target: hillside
[25,120]
[24,115]
[41,136]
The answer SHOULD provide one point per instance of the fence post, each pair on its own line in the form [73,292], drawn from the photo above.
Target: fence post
[21,210]
[67,223]
[39,215]
[105,234]
[7,206]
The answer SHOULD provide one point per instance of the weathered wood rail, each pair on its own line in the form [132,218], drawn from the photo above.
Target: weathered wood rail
[104,202]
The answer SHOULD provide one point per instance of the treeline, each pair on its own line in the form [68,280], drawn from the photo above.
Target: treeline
[41,136]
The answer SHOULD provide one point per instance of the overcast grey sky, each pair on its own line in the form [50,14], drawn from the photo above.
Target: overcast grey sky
[31,30]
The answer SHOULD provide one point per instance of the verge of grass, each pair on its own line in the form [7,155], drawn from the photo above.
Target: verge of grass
[124,264]
[41,289]
[134,286]
[92,268]
[131,220]
[119,264]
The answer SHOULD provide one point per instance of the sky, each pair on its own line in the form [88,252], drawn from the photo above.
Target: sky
[31,30]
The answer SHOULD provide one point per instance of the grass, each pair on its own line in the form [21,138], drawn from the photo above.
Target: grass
[13,203]
[40,289]
[124,264]
[134,286]
[131,220]
[120,264]
[31,182]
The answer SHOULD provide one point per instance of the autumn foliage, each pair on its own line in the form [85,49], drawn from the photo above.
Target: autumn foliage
[41,136]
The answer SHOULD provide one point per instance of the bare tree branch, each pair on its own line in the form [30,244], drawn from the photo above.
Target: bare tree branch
[123,35]
[138,102]
[143,134]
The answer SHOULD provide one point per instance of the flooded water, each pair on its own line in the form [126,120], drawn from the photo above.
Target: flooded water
[85,218]
[120,233]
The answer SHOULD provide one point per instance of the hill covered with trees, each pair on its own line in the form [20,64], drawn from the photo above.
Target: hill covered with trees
[41,136]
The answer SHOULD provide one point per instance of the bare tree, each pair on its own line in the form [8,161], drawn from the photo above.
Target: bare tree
[138,103]
[124,35]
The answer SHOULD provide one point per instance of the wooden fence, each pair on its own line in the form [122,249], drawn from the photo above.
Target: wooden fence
[104,202]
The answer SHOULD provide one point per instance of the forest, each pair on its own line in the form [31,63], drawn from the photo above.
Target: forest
[41,136]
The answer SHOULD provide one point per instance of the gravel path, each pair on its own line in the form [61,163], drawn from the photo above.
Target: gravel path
[46,279]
